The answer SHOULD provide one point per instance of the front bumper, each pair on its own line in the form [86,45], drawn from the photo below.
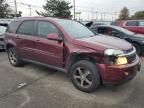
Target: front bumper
[119,74]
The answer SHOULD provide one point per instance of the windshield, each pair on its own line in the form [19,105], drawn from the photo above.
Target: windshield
[124,30]
[2,30]
[75,29]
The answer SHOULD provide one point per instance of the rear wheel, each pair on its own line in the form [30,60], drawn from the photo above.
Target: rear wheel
[85,76]
[14,59]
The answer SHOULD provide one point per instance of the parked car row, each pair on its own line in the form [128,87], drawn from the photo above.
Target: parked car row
[95,23]
[89,58]
[136,39]
[3,27]
[130,30]
[2,32]
[136,26]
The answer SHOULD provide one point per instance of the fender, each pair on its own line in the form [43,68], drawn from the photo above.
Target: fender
[10,42]
[76,56]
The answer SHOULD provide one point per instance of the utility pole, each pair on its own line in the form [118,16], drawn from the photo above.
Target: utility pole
[115,15]
[101,16]
[112,17]
[15,4]
[74,8]
[96,15]
[92,14]
[104,16]
[30,10]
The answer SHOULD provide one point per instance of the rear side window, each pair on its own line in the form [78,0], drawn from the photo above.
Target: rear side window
[26,28]
[45,28]
[141,23]
[132,23]
[12,27]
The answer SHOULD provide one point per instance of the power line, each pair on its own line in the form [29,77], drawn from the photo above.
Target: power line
[95,13]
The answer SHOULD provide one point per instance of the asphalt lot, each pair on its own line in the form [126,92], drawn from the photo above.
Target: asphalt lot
[46,88]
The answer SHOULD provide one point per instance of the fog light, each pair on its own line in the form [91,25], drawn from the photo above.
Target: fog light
[121,61]
[126,73]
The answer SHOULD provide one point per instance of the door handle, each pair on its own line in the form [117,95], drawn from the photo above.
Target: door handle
[37,40]
[17,37]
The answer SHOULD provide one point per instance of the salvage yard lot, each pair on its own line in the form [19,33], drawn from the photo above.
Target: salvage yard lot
[47,88]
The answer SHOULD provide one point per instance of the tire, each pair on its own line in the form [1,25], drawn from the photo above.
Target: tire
[138,48]
[85,76]
[13,57]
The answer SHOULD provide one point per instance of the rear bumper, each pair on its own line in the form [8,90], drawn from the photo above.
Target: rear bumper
[115,75]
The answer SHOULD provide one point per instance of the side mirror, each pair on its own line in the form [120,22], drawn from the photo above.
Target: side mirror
[54,36]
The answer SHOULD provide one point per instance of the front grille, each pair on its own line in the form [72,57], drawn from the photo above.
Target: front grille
[128,51]
[130,54]
[131,58]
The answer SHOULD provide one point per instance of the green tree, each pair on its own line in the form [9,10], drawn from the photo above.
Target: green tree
[56,8]
[138,15]
[124,14]
[6,11]
[19,14]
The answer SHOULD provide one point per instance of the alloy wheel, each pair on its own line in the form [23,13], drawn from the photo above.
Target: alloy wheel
[83,77]
[12,57]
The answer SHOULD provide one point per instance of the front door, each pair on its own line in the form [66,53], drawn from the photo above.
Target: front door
[48,51]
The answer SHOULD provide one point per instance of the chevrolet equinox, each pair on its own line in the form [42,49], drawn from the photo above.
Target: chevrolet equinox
[90,59]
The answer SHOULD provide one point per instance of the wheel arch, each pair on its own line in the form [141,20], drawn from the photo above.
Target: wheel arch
[75,57]
[9,45]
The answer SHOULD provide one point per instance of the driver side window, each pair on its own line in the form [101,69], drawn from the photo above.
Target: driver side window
[45,28]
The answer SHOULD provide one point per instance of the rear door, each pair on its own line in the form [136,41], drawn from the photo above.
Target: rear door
[48,51]
[26,39]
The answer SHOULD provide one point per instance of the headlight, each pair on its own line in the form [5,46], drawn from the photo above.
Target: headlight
[113,52]
[121,61]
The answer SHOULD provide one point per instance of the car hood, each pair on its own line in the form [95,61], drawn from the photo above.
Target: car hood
[136,37]
[102,42]
[139,36]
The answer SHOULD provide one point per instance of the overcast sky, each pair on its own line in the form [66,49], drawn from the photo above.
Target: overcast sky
[108,7]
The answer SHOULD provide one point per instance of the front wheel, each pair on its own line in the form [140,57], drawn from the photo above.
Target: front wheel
[14,59]
[85,76]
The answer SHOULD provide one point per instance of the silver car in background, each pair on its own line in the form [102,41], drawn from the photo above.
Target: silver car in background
[2,32]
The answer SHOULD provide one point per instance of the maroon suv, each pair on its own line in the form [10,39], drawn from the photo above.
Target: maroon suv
[90,59]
